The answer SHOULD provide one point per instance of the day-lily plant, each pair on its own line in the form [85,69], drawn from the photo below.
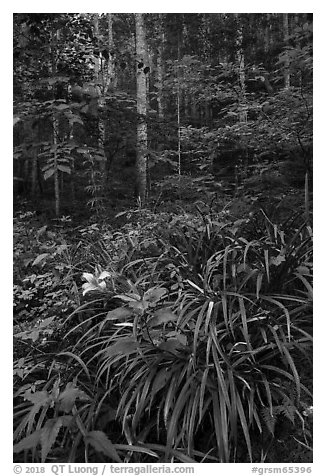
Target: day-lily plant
[95,282]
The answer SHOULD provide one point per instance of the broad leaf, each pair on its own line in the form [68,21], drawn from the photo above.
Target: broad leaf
[118,313]
[68,397]
[162,316]
[125,346]
[40,258]
[37,398]
[49,435]
[154,295]
[31,441]
[64,168]
[171,345]
[128,297]
[61,107]
[100,442]
[48,173]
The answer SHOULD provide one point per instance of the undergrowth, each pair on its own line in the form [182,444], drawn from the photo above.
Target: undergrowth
[176,338]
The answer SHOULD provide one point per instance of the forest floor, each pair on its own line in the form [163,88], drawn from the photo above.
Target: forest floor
[51,254]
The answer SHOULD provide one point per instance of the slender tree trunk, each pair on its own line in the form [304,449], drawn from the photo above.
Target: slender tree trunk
[160,71]
[55,124]
[112,83]
[99,77]
[179,130]
[141,71]
[185,37]
[55,127]
[34,173]
[297,43]
[186,107]
[242,74]
[306,188]
[178,108]
[36,179]
[194,111]
[61,182]
[112,76]
[295,20]
[287,81]
[108,78]
[160,87]
[267,33]
[26,173]
[72,158]
[207,56]
[34,161]
[72,180]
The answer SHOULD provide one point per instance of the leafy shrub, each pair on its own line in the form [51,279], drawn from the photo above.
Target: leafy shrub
[43,271]
[198,349]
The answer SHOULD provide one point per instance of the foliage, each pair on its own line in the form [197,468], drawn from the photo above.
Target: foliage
[208,333]
[43,273]
[97,120]
[180,329]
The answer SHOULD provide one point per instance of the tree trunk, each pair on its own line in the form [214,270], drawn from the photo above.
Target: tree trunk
[186,111]
[194,111]
[287,82]
[55,127]
[112,77]
[207,47]
[55,124]
[242,74]
[160,71]
[34,172]
[178,109]
[141,71]
[72,180]
[267,33]
[99,78]
[296,24]
[179,130]
[26,173]
[108,78]
[34,138]
[72,158]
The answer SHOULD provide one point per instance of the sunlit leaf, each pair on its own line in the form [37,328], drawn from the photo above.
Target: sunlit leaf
[49,173]
[40,258]
[64,168]
[128,297]
[277,260]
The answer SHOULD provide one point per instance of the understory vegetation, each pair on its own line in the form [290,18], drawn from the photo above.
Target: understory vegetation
[184,338]
[163,237]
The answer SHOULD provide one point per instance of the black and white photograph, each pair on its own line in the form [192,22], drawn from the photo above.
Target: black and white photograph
[162,240]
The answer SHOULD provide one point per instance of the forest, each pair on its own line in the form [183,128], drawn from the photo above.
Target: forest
[162,232]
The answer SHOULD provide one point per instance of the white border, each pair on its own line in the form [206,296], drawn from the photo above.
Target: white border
[319,186]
